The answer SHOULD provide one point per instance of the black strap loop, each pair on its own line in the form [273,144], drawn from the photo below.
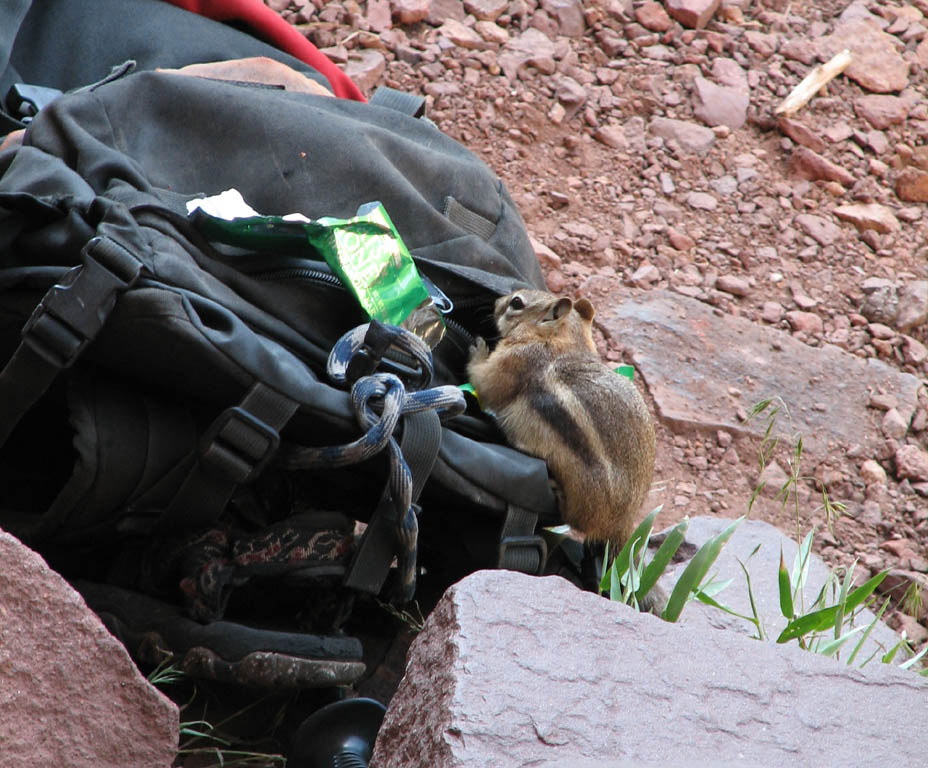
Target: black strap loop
[520,549]
[235,449]
[371,562]
[67,319]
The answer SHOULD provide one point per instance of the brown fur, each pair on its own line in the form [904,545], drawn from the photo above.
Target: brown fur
[556,400]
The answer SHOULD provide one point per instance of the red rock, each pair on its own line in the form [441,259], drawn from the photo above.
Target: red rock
[514,670]
[680,241]
[872,473]
[653,16]
[882,111]
[442,10]
[805,322]
[530,49]
[736,286]
[877,65]
[819,229]
[663,328]
[612,136]
[690,136]
[913,305]
[914,631]
[799,49]
[645,275]
[912,463]
[568,14]
[810,165]
[913,351]
[894,426]
[762,44]
[772,312]
[556,282]
[838,132]
[70,695]
[800,134]
[410,11]
[379,15]
[485,10]
[702,201]
[921,53]
[461,35]
[912,185]
[491,32]
[719,105]
[869,216]
[881,331]
[365,67]
[692,13]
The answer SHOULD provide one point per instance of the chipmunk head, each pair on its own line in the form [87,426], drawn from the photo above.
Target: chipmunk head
[538,313]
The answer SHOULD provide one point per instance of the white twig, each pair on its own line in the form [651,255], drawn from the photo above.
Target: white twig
[813,83]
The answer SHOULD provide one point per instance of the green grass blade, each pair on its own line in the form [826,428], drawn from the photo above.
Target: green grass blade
[786,594]
[891,653]
[604,576]
[696,570]
[831,647]
[754,611]
[842,599]
[914,659]
[641,533]
[866,634]
[714,588]
[704,598]
[662,558]
[801,563]
[615,583]
[825,619]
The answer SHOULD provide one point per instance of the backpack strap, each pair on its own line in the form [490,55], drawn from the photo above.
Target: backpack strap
[520,549]
[371,562]
[408,103]
[12,13]
[234,450]
[67,319]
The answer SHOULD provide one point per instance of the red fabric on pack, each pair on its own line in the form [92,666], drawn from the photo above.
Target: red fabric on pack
[274,30]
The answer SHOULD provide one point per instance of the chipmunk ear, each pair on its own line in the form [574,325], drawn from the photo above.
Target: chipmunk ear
[585,309]
[558,310]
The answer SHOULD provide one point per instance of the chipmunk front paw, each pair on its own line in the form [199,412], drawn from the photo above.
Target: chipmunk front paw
[479,352]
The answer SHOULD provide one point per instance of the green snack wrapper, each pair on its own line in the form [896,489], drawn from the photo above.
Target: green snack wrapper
[365,252]
[627,371]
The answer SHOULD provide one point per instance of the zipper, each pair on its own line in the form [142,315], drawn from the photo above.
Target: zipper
[327,278]
[299,273]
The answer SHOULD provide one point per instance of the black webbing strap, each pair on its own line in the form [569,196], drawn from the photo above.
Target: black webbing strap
[370,565]
[519,548]
[407,103]
[234,450]
[66,320]
[468,220]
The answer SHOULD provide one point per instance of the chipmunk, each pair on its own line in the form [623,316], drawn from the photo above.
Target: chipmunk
[554,398]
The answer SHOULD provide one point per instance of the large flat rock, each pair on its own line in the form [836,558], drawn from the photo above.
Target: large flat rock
[69,693]
[516,670]
[702,368]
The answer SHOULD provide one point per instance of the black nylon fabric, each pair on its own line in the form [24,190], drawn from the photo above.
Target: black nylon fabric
[68,44]
[203,324]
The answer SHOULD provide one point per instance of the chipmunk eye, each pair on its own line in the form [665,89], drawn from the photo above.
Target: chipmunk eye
[516,303]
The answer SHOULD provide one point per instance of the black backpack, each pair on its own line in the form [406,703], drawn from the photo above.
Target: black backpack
[157,382]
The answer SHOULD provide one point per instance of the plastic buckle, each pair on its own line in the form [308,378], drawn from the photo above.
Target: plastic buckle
[514,551]
[72,312]
[239,445]
[25,101]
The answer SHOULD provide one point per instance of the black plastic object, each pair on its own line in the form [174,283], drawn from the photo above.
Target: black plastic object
[340,735]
